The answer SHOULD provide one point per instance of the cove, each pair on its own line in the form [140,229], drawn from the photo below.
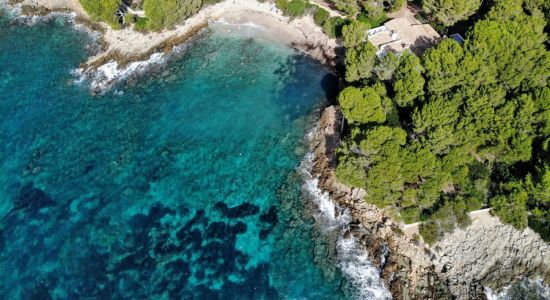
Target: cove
[180,185]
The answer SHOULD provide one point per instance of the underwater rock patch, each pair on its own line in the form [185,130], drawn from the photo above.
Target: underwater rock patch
[269,220]
[270,216]
[31,198]
[240,211]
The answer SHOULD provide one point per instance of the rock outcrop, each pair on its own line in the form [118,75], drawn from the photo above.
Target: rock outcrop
[460,266]
[490,255]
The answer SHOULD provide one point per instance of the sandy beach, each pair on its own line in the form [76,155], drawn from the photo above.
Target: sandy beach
[126,51]
[300,33]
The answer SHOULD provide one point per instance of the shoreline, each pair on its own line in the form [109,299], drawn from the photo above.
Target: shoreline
[409,268]
[466,264]
[121,50]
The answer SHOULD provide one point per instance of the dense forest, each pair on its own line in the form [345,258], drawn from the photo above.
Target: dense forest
[432,137]
[461,127]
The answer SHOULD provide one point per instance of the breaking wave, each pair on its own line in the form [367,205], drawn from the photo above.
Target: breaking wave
[523,288]
[352,259]
[105,76]
[223,22]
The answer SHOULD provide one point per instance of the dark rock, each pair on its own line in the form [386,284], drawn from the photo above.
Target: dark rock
[31,198]
[240,227]
[40,291]
[244,210]
[217,230]
[264,233]
[270,216]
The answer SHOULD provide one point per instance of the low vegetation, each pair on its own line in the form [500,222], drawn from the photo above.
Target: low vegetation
[167,13]
[332,26]
[462,127]
[102,10]
[372,9]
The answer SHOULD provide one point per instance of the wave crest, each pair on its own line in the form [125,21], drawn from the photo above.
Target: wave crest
[352,260]
[105,76]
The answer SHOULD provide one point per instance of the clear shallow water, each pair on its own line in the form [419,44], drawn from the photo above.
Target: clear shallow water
[183,185]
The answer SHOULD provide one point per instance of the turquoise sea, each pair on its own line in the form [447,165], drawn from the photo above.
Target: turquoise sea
[183,184]
[186,182]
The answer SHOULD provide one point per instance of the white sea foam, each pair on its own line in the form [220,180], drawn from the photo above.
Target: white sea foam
[355,265]
[14,11]
[535,285]
[105,76]
[253,25]
[352,260]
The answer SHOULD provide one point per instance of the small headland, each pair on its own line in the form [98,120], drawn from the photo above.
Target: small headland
[125,50]
[486,254]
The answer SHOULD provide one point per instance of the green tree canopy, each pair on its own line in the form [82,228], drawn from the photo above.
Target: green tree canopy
[386,65]
[510,205]
[360,61]
[361,106]
[448,12]
[354,34]
[444,66]
[348,7]
[320,16]
[409,83]
[474,131]
[510,53]
[333,27]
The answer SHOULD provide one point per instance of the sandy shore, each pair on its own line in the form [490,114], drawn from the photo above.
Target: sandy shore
[300,33]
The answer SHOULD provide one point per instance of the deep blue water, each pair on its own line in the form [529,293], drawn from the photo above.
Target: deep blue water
[183,186]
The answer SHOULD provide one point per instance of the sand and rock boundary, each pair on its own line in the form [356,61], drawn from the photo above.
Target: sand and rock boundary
[125,50]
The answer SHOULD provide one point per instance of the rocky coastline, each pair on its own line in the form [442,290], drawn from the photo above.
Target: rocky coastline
[461,266]
[125,46]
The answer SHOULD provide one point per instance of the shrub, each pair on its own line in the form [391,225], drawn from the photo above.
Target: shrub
[296,8]
[282,5]
[350,172]
[102,10]
[348,7]
[140,24]
[396,5]
[167,13]
[321,16]
[410,215]
[372,22]
[429,232]
[128,19]
[207,2]
[333,27]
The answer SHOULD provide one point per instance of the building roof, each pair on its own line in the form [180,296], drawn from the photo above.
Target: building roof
[403,33]
[457,37]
